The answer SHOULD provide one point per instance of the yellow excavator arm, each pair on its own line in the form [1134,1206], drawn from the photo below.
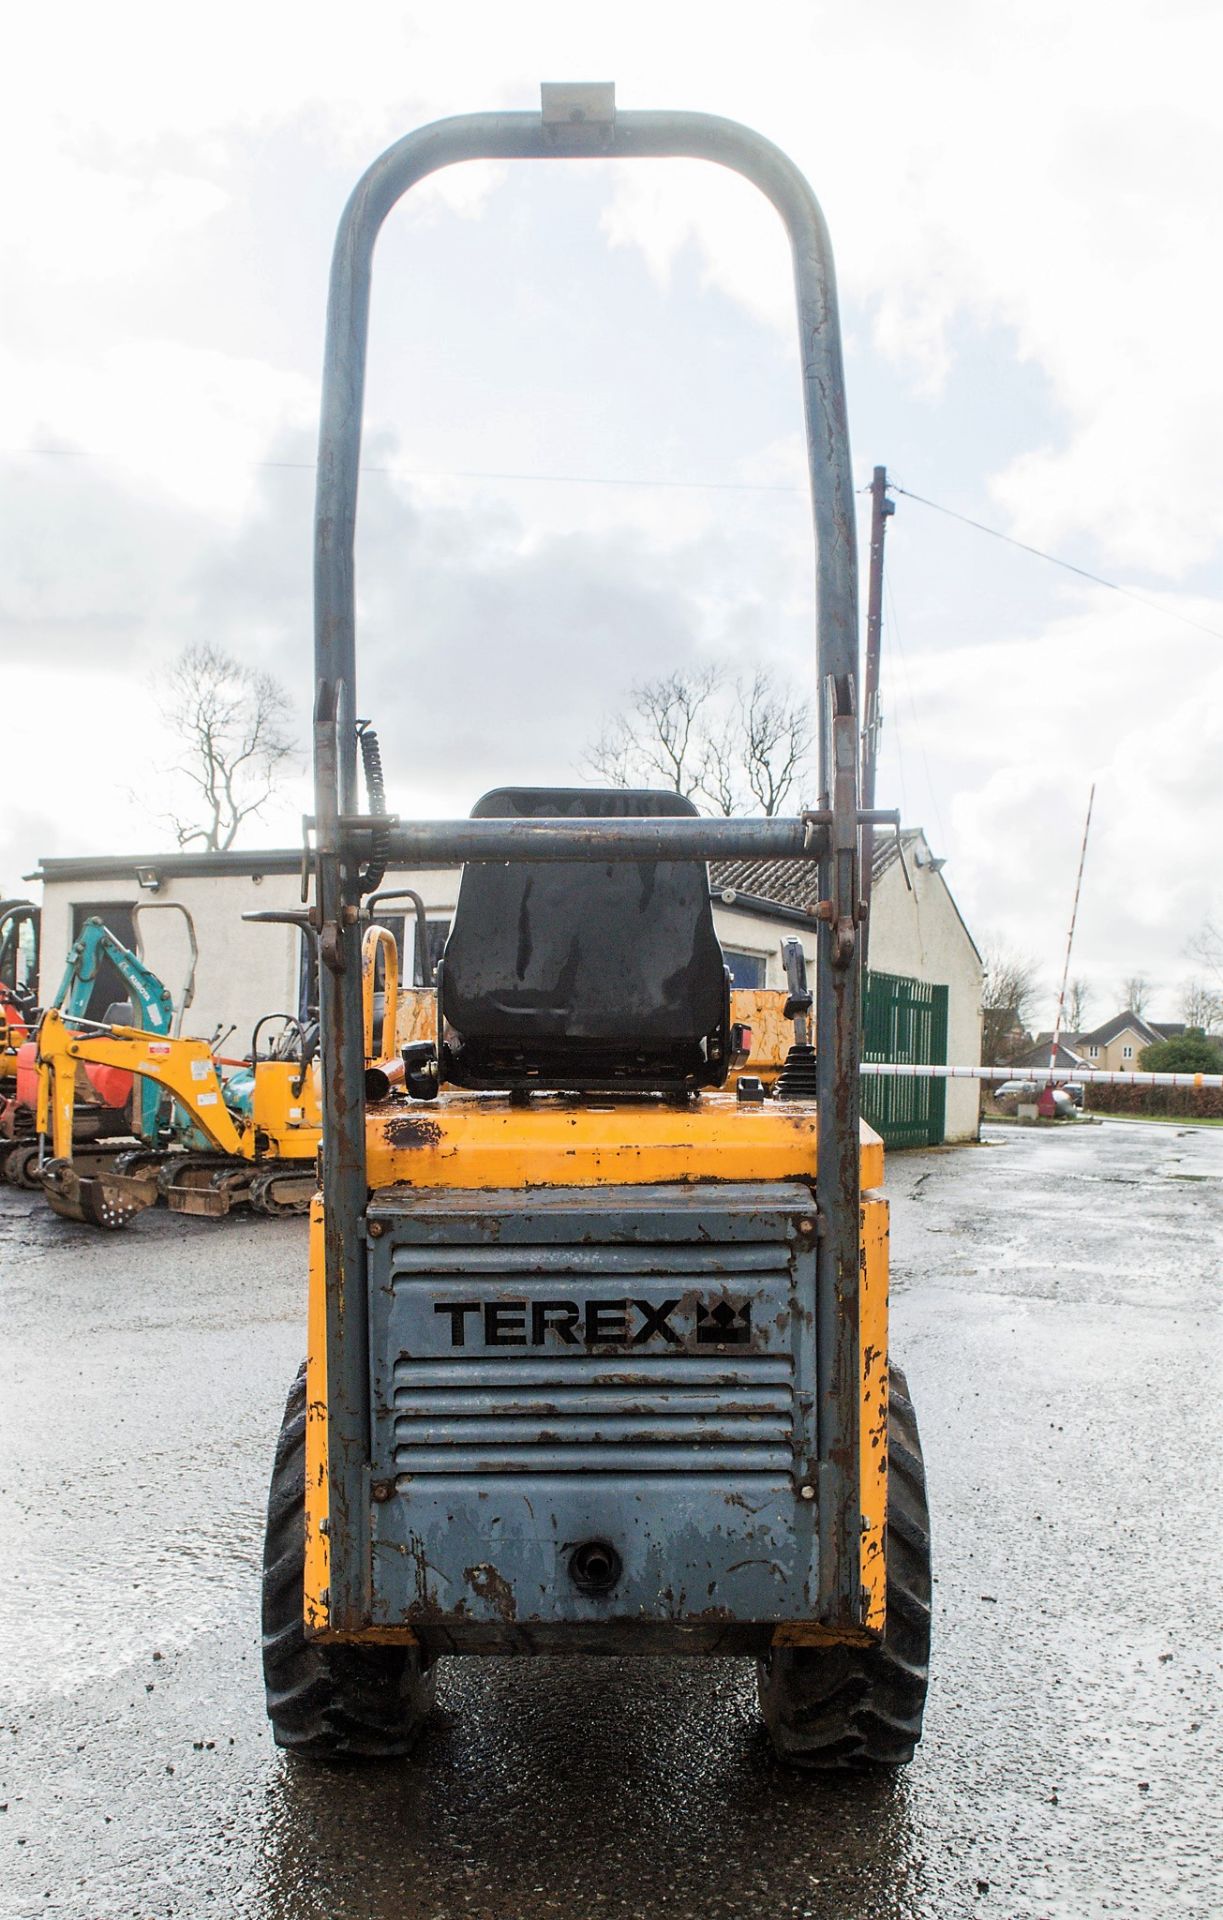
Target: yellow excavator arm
[185,1068]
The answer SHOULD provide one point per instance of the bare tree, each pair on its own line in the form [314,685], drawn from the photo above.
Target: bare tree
[1202,1005]
[1078,993]
[1206,945]
[232,725]
[764,744]
[660,735]
[1136,993]
[1010,985]
[740,748]
[721,782]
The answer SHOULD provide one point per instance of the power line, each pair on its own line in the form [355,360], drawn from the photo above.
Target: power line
[683,486]
[1055,560]
[464,473]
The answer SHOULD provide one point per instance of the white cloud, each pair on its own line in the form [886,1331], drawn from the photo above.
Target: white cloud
[1051,172]
[1044,181]
[1019,729]
[76,222]
[190,422]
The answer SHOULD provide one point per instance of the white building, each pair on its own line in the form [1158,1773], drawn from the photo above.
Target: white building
[917,933]
[245,970]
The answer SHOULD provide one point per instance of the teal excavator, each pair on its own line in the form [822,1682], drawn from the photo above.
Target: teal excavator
[114,1108]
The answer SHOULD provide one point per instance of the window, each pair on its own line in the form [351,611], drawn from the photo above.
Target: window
[439,933]
[405,927]
[1127,1053]
[1093,1053]
[26,957]
[110,988]
[396,923]
[307,980]
[19,950]
[746,969]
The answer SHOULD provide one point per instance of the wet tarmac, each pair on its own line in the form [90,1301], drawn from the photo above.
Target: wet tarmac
[1057,1306]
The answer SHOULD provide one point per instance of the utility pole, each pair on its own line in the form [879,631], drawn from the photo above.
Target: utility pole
[881,509]
[1074,914]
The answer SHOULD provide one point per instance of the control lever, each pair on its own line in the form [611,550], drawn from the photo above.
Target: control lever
[799,1003]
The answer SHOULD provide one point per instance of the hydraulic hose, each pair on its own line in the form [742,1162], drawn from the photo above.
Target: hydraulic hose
[373,872]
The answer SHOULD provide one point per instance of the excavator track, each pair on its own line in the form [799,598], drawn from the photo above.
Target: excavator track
[209,1185]
[284,1187]
[108,1189]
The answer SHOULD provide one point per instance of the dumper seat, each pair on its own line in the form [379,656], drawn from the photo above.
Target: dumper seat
[583,975]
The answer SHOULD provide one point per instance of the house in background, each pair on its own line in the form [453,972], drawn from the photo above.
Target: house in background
[1038,1055]
[926,970]
[1115,1047]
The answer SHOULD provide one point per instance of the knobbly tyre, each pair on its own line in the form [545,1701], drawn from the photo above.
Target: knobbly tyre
[597,1349]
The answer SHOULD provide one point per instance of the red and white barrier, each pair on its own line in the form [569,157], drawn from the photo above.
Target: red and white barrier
[1043,1076]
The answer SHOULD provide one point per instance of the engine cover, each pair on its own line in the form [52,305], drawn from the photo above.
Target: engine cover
[592,1406]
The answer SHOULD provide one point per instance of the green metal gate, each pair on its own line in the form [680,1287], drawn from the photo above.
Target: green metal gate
[905,1021]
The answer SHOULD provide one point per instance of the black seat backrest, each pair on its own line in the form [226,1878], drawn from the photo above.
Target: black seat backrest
[584,973]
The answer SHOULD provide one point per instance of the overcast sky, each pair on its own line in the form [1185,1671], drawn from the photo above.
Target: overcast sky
[583,428]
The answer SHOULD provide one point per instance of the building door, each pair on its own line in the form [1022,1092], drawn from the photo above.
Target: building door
[905,1021]
[401,926]
[109,988]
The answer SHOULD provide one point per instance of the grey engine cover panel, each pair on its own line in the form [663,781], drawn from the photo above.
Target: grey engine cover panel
[629,1365]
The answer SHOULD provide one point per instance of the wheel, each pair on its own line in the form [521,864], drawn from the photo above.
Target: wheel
[21,1166]
[836,1708]
[325,1701]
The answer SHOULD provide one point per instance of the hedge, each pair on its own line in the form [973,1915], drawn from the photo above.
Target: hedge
[1182,1103]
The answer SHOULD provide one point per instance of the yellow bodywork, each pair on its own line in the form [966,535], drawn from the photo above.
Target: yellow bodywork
[476,1140]
[417,1015]
[285,1118]
[318,1559]
[873,1431]
[763,1010]
[285,1121]
[466,1140]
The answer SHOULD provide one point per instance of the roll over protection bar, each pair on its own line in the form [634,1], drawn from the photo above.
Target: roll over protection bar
[576,122]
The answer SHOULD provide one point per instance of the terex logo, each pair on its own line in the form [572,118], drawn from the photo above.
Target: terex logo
[598,1323]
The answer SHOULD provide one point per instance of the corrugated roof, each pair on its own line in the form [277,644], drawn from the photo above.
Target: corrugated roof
[795,883]
[788,883]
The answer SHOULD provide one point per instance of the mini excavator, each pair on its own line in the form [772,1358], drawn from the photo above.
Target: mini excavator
[246,1138]
[109,1109]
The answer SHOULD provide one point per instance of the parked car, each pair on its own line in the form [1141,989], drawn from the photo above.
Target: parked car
[1067,1098]
[1011,1092]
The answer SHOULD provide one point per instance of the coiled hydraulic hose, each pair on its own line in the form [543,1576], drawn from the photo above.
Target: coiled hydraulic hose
[374,871]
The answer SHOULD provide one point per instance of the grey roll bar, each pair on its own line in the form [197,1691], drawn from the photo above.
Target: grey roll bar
[170,906]
[576,123]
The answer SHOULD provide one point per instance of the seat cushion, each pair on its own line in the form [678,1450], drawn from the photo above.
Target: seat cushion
[614,955]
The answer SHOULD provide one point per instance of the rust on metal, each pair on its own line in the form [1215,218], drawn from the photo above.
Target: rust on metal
[485,1581]
[409,1131]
